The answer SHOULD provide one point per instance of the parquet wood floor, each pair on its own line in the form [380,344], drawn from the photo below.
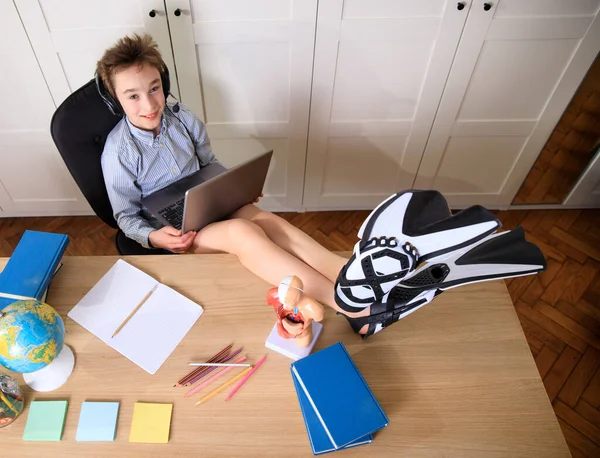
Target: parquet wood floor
[559,309]
[570,147]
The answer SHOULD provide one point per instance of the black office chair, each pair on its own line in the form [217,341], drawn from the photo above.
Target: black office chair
[79,129]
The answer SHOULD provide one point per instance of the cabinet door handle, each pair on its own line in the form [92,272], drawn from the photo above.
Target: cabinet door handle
[487,6]
[460,6]
[152,13]
[177,12]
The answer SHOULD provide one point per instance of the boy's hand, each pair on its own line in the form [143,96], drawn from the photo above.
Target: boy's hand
[171,239]
[258,198]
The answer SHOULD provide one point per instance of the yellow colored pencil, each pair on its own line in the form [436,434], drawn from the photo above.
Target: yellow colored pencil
[224,385]
[8,403]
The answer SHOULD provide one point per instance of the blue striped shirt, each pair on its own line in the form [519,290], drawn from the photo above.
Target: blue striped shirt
[135,164]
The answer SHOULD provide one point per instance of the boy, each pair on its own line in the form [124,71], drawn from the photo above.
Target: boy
[151,148]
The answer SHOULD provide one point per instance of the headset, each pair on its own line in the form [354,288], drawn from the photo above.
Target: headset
[115,107]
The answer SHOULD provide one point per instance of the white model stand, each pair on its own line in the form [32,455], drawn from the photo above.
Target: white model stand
[288,347]
[55,374]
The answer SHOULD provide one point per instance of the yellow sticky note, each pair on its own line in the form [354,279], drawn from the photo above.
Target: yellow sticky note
[151,423]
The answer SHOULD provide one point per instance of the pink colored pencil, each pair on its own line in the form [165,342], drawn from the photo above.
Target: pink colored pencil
[210,369]
[214,377]
[248,375]
[199,370]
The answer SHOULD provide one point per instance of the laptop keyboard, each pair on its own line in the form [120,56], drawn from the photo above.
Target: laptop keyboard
[173,214]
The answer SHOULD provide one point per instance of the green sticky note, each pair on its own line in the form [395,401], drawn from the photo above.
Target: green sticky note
[45,421]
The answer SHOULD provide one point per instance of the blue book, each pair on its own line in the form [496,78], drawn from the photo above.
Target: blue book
[339,397]
[319,441]
[31,266]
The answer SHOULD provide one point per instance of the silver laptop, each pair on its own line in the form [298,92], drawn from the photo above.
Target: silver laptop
[211,194]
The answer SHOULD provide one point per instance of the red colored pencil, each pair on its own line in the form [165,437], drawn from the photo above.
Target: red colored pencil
[210,369]
[195,372]
[216,359]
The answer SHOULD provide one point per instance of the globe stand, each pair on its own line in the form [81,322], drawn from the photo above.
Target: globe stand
[55,374]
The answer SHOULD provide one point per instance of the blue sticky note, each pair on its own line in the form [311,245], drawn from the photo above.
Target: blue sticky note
[97,421]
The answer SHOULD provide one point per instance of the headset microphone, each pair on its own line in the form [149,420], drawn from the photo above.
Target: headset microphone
[176,106]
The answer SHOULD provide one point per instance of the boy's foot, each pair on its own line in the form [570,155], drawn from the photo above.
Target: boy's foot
[401,233]
[501,255]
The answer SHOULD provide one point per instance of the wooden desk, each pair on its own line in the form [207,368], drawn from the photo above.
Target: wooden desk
[455,378]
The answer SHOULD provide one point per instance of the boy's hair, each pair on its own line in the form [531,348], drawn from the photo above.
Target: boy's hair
[128,51]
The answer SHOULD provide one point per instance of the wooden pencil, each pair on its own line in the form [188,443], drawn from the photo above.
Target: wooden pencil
[212,379]
[225,351]
[210,369]
[200,370]
[8,403]
[194,372]
[241,383]
[133,312]
[223,386]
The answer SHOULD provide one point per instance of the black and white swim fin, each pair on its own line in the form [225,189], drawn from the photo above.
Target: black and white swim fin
[404,231]
[423,219]
[501,255]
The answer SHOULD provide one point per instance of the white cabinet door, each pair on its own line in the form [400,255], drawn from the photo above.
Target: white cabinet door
[33,177]
[516,68]
[380,68]
[244,68]
[70,36]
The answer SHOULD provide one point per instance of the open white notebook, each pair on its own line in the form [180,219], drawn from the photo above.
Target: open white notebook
[153,332]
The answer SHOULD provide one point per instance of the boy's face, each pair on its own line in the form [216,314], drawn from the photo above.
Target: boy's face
[139,90]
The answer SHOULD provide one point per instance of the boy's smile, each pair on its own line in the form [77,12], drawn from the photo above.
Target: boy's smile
[139,90]
[151,116]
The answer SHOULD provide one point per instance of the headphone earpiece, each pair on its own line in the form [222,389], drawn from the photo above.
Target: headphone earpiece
[165,80]
[113,104]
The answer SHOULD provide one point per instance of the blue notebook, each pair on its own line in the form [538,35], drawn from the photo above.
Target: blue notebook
[32,265]
[339,396]
[319,441]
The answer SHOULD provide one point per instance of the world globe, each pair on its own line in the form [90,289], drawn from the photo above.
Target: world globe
[32,334]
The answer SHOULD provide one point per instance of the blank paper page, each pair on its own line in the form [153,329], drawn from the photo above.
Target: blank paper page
[153,332]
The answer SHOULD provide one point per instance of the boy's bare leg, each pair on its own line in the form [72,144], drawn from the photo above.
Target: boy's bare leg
[294,241]
[260,255]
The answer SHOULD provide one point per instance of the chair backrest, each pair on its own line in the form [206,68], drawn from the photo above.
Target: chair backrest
[79,129]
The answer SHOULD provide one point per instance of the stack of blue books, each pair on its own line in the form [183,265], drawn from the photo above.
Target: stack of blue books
[338,407]
[31,266]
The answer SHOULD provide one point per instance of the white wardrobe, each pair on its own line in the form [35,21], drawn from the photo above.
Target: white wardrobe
[358,98]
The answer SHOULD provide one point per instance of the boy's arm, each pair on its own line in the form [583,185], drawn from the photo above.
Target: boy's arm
[125,198]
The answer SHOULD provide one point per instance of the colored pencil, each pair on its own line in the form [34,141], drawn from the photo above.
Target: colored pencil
[211,379]
[239,385]
[8,403]
[223,386]
[208,370]
[201,372]
[133,312]
[225,351]
[195,372]
[219,364]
